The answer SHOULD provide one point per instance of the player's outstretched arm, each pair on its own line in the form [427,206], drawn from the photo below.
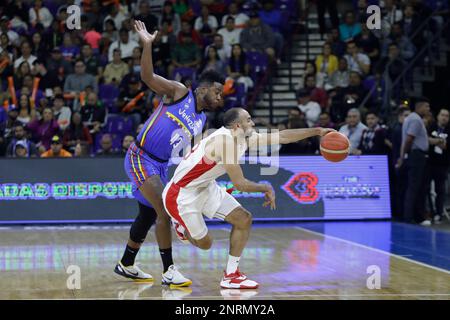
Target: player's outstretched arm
[236,175]
[224,150]
[156,83]
[287,136]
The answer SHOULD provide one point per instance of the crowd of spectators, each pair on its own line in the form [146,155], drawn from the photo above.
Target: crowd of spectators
[335,93]
[81,86]
[75,93]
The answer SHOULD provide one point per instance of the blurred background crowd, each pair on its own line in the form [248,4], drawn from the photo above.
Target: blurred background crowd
[77,92]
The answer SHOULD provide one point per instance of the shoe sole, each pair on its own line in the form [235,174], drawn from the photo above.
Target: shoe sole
[177,285]
[241,287]
[135,279]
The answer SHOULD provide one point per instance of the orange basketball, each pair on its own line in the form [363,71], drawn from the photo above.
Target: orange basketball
[334,146]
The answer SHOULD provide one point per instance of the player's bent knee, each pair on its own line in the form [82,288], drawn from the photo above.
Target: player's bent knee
[242,219]
[204,243]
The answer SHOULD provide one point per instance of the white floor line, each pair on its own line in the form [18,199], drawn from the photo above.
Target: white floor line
[374,249]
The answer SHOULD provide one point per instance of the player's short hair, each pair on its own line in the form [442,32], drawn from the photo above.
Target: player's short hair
[420,100]
[209,77]
[231,116]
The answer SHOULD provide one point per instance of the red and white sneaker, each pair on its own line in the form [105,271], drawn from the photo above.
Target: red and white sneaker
[237,280]
[179,231]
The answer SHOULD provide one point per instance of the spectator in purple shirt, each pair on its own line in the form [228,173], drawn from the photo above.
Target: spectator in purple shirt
[68,50]
[43,130]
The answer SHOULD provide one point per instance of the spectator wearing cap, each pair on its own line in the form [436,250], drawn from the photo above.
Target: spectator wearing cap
[240,19]
[25,49]
[413,156]
[44,129]
[357,61]
[56,66]
[7,127]
[353,128]
[185,54]
[20,135]
[310,108]
[56,149]
[115,70]
[138,112]
[258,36]
[61,113]
[20,150]
[78,81]
[350,28]
[40,14]
[124,44]
[229,32]
[76,134]
[106,147]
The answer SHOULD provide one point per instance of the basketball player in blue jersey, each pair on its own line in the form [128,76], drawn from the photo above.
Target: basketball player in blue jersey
[171,126]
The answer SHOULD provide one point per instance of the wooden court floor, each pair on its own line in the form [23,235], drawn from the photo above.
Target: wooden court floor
[288,262]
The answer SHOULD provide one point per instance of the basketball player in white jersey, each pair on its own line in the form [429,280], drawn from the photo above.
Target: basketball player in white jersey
[193,190]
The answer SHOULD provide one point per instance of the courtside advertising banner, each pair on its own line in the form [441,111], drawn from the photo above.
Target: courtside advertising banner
[98,190]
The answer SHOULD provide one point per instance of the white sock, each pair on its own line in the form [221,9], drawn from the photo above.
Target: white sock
[233,263]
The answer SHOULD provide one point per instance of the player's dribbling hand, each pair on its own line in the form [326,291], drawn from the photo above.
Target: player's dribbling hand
[144,35]
[324,131]
[269,197]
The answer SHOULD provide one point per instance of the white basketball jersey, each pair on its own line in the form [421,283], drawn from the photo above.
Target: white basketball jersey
[196,170]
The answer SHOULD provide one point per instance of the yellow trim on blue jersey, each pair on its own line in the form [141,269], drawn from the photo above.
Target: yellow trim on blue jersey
[140,166]
[149,126]
[134,168]
[180,123]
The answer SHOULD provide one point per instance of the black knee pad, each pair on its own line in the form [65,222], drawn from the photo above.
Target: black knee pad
[145,219]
